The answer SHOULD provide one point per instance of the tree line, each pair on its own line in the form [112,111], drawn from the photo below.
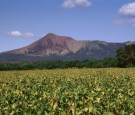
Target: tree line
[125,58]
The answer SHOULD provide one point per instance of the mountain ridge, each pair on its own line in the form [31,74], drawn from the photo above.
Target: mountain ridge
[55,47]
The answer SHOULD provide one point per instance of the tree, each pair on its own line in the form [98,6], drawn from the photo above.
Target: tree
[110,62]
[126,56]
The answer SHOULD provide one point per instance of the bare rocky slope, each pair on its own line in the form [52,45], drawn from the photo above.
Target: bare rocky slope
[51,44]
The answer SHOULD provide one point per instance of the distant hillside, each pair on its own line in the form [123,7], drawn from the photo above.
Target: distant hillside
[54,47]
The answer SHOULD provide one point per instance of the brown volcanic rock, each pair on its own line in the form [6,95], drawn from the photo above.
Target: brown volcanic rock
[51,44]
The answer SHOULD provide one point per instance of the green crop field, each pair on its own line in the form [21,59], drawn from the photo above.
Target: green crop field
[68,92]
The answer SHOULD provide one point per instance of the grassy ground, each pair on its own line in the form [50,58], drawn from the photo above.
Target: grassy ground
[68,92]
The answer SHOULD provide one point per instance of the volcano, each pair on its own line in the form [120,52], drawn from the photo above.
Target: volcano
[51,44]
[55,47]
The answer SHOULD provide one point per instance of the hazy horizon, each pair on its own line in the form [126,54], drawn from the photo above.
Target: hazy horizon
[24,22]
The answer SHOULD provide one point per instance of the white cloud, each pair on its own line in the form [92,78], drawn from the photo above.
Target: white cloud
[76,3]
[128,9]
[20,34]
[15,33]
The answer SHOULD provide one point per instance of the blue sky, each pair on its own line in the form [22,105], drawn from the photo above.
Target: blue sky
[25,21]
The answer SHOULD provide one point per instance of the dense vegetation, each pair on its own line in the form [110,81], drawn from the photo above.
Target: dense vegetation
[68,92]
[126,56]
[107,62]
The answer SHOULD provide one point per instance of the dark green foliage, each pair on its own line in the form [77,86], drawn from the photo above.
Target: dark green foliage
[126,56]
[107,62]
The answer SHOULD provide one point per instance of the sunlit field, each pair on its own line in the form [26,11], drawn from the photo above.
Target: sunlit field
[68,92]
